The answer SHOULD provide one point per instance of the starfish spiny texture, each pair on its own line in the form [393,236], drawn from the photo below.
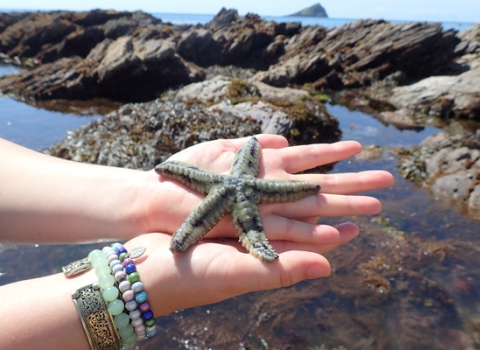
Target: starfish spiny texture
[238,193]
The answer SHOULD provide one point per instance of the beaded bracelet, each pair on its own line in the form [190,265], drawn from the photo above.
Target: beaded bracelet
[134,296]
[110,273]
[101,261]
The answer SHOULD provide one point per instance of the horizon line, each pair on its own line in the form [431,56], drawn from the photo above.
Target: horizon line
[209,14]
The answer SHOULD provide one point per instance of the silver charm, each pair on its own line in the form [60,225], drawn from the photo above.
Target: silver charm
[136,252]
[76,267]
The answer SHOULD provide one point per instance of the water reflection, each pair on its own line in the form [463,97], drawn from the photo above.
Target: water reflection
[33,127]
[363,128]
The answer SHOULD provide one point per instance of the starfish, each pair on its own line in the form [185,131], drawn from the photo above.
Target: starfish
[238,193]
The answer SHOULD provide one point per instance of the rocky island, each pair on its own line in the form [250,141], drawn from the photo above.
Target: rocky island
[316,10]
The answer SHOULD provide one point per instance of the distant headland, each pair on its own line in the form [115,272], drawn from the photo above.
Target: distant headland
[316,10]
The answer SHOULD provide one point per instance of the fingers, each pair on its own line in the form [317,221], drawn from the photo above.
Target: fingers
[282,229]
[328,205]
[266,141]
[292,267]
[350,183]
[348,231]
[300,158]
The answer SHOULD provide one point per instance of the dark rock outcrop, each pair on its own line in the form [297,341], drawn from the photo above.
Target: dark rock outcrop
[360,53]
[7,19]
[135,57]
[229,39]
[122,70]
[41,34]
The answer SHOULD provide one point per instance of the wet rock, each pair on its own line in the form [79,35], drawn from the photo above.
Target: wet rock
[474,200]
[449,163]
[272,93]
[355,55]
[271,119]
[210,90]
[288,112]
[141,135]
[402,119]
[444,96]
[457,186]
[218,88]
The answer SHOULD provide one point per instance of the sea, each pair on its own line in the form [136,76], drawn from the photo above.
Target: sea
[182,18]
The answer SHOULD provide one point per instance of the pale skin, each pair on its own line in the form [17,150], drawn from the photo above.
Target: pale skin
[48,200]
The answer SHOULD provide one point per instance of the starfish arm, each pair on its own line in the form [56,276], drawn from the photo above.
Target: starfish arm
[195,178]
[247,159]
[248,224]
[282,191]
[208,213]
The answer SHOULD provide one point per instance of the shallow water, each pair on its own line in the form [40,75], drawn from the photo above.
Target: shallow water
[34,127]
[410,281]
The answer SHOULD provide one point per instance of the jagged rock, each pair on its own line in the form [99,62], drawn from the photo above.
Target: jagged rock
[248,41]
[359,54]
[296,70]
[470,40]
[7,19]
[446,96]
[452,162]
[402,119]
[198,45]
[53,35]
[222,19]
[365,51]
[122,70]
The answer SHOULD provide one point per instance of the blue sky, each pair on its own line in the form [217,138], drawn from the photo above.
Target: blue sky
[430,10]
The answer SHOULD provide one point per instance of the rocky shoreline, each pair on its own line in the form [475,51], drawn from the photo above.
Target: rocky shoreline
[235,76]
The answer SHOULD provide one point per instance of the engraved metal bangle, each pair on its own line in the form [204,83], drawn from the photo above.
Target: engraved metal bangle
[96,320]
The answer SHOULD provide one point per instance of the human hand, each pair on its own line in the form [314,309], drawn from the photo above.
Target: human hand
[213,270]
[294,224]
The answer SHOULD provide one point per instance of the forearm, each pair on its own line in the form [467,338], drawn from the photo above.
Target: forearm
[41,314]
[48,200]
